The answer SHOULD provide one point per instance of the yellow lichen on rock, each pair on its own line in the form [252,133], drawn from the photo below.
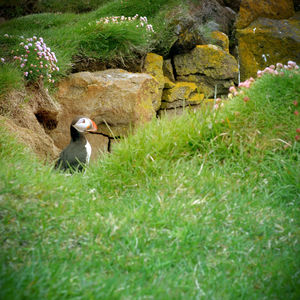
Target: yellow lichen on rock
[154,66]
[251,10]
[208,60]
[221,39]
[181,91]
[196,98]
[267,42]
[168,83]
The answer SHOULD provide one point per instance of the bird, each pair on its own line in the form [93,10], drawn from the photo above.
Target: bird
[77,154]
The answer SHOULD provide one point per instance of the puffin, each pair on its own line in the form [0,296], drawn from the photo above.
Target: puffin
[78,152]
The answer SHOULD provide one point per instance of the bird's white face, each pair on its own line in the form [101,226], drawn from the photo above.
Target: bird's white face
[85,124]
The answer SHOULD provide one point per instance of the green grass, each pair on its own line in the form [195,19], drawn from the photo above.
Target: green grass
[10,78]
[186,208]
[72,39]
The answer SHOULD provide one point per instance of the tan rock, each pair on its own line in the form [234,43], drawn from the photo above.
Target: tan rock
[267,42]
[251,10]
[117,100]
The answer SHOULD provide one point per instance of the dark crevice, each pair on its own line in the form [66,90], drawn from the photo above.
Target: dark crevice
[173,67]
[47,120]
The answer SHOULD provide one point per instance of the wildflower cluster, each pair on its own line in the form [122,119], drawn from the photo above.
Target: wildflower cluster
[278,69]
[142,22]
[218,103]
[36,60]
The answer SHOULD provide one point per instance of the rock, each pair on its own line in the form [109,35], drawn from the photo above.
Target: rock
[233,4]
[182,94]
[154,66]
[207,66]
[117,100]
[173,112]
[267,42]
[168,83]
[251,10]
[168,69]
[297,5]
[220,39]
[195,27]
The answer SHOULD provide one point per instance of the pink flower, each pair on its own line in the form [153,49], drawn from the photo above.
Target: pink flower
[298,130]
[291,64]
[2,59]
[246,99]
[232,89]
[297,138]
[296,112]
[295,102]
[279,65]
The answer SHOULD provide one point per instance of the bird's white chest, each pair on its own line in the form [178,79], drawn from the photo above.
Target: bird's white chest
[88,151]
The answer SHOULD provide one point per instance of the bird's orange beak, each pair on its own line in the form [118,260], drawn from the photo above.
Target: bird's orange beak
[92,127]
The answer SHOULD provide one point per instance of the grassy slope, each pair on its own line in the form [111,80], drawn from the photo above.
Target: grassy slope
[189,208]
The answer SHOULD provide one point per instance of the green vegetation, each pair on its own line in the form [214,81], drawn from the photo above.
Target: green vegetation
[76,37]
[10,78]
[204,206]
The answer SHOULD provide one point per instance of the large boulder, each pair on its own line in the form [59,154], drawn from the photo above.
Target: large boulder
[207,66]
[251,10]
[267,42]
[115,99]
